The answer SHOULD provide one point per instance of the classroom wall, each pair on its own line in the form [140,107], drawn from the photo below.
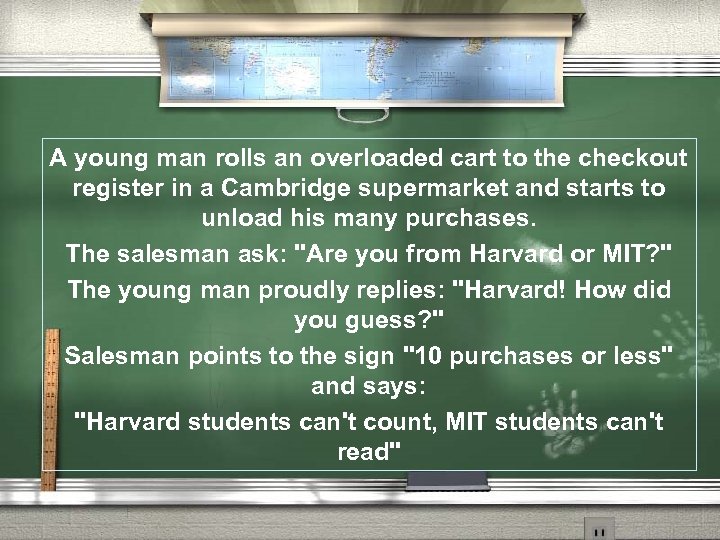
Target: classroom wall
[388,523]
[112,27]
[69,27]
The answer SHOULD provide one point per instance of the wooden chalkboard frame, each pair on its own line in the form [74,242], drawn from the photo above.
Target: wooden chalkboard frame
[317,491]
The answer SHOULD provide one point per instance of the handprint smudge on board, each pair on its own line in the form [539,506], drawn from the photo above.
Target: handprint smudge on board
[531,244]
[561,442]
[680,334]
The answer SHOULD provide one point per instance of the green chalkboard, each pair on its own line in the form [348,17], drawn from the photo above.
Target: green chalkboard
[40,216]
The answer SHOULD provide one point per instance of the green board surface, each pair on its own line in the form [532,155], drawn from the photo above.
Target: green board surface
[90,109]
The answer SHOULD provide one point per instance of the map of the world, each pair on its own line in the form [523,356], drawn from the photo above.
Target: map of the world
[357,68]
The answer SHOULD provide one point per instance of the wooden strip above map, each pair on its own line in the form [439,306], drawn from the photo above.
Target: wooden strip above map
[224,25]
[427,7]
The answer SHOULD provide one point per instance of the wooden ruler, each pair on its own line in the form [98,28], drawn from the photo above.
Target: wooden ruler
[50,409]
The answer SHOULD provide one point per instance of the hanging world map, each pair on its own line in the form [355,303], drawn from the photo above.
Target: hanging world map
[493,70]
